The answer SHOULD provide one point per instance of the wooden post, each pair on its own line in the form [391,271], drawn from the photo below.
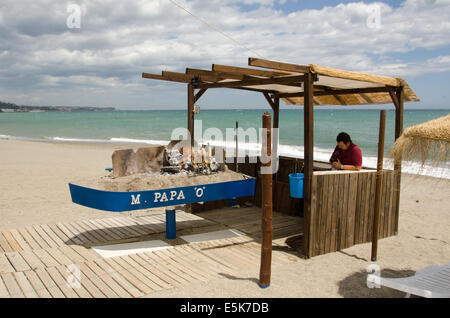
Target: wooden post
[398,163]
[266,224]
[275,105]
[190,127]
[308,113]
[376,218]
[190,123]
[275,142]
[276,123]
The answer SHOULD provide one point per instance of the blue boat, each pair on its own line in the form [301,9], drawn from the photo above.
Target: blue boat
[127,201]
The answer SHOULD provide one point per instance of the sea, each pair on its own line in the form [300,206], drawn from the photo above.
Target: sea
[156,127]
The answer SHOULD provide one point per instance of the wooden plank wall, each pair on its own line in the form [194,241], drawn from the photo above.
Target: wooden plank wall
[342,203]
[342,210]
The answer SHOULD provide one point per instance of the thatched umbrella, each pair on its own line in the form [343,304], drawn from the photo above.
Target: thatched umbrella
[426,141]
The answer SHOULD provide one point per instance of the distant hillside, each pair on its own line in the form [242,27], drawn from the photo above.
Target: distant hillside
[10,107]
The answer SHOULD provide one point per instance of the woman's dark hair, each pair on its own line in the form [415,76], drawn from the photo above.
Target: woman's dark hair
[344,137]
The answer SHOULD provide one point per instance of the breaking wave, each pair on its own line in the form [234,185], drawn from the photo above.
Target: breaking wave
[320,154]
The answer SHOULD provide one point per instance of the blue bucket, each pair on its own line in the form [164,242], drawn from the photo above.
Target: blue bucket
[296,185]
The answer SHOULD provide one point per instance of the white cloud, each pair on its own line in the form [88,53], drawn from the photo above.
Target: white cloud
[439,64]
[120,39]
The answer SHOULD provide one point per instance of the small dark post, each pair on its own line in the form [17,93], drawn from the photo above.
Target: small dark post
[379,180]
[237,152]
[171,228]
[266,181]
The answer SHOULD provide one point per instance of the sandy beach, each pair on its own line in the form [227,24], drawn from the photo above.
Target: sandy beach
[34,189]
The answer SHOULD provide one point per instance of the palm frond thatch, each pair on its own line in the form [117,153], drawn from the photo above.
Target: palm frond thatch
[429,141]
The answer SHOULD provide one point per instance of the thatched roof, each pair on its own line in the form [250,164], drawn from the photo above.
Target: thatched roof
[331,86]
[426,141]
[339,79]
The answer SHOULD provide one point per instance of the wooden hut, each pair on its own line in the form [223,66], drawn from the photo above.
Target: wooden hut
[338,205]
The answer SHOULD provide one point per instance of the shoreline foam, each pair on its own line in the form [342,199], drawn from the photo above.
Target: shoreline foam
[320,154]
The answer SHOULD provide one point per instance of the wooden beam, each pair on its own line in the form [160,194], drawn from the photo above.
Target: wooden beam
[187,78]
[276,112]
[399,113]
[355,76]
[400,96]
[190,126]
[199,94]
[275,142]
[266,222]
[268,91]
[365,90]
[253,61]
[270,101]
[177,77]
[340,92]
[247,71]
[308,113]
[394,98]
[153,76]
[169,76]
[378,189]
[190,123]
[218,75]
[339,99]
[255,82]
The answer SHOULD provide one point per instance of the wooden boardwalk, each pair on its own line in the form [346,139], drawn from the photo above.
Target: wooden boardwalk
[54,260]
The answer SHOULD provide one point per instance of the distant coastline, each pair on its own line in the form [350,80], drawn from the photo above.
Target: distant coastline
[13,108]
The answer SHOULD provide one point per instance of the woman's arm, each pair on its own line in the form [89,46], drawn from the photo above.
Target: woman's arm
[350,167]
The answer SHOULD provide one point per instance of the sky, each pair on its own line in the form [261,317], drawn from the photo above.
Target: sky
[92,52]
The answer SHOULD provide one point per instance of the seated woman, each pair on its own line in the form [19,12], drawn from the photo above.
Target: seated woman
[346,155]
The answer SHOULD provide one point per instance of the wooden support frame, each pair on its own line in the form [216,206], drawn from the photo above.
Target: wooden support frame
[275,105]
[176,77]
[308,113]
[180,77]
[269,80]
[266,222]
[270,101]
[267,91]
[253,61]
[199,94]
[321,92]
[255,82]
[398,101]
[188,78]
[218,75]
[191,101]
[276,141]
[153,76]
[247,71]
[378,187]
